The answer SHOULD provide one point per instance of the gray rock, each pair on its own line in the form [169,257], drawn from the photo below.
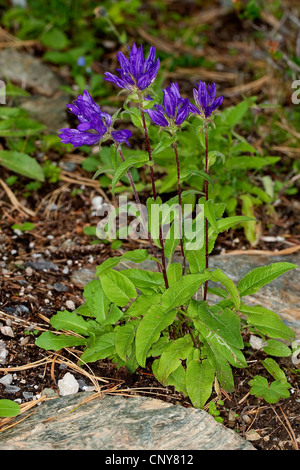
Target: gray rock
[118,423]
[6,379]
[3,352]
[41,264]
[81,277]
[29,72]
[12,389]
[60,287]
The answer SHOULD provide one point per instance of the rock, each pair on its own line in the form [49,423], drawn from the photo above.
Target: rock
[12,389]
[41,264]
[29,72]
[3,352]
[70,305]
[118,423]
[81,277]
[47,102]
[7,331]
[60,287]
[256,342]
[6,379]
[68,385]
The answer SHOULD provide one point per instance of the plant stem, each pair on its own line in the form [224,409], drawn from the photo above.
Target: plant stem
[138,201]
[206,198]
[148,150]
[164,270]
[180,204]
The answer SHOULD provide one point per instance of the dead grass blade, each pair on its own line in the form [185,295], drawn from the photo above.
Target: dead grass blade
[16,204]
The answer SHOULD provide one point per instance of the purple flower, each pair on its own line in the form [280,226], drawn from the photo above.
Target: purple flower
[94,125]
[205,100]
[174,109]
[136,71]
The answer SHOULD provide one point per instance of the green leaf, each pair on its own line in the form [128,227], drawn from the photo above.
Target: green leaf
[114,315]
[210,214]
[49,341]
[229,222]
[276,348]
[122,169]
[96,300]
[103,347]
[172,356]
[218,276]
[123,340]
[142,304]
[224,325]
[174,273]
[259,277]
[244,162]
[221,367]
[267,322]
[150,328]
[22,164]
[187,174]
[9,408]
[183,290]
[118,288]
[271,394]
[54,38]
[143,279]
[69,321]
[199,379]
[164,143]
[136,256]
[274,369]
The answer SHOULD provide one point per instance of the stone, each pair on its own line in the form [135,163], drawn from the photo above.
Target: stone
[7,331]
[6,379]
[3,352]
[81,277]
[68,385]
[58,287]
[47,102]
[41,264]
[119,423]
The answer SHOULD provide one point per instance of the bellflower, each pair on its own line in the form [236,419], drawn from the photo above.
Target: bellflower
[94,125]
[136,72]
[205,100]
[173,111]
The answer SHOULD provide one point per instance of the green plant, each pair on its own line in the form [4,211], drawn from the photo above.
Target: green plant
[164,316]
[9,408]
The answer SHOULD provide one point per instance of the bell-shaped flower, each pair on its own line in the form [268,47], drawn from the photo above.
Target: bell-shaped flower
[135,72]
[173,111]
[94,124]
[205,99]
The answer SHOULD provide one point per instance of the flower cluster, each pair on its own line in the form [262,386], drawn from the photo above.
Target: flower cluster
[205,100]
[94,126]
[173,111]
[136,72]
[136,75]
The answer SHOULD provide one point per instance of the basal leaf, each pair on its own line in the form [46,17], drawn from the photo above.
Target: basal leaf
[148,332]
[49,341]
[118,288]
[199,379]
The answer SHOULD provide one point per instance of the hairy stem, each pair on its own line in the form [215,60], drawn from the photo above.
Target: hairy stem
[206,221]
[180,204]
[164,270]
[138,201]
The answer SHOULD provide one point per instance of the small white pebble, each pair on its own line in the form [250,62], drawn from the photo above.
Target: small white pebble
[70,305]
